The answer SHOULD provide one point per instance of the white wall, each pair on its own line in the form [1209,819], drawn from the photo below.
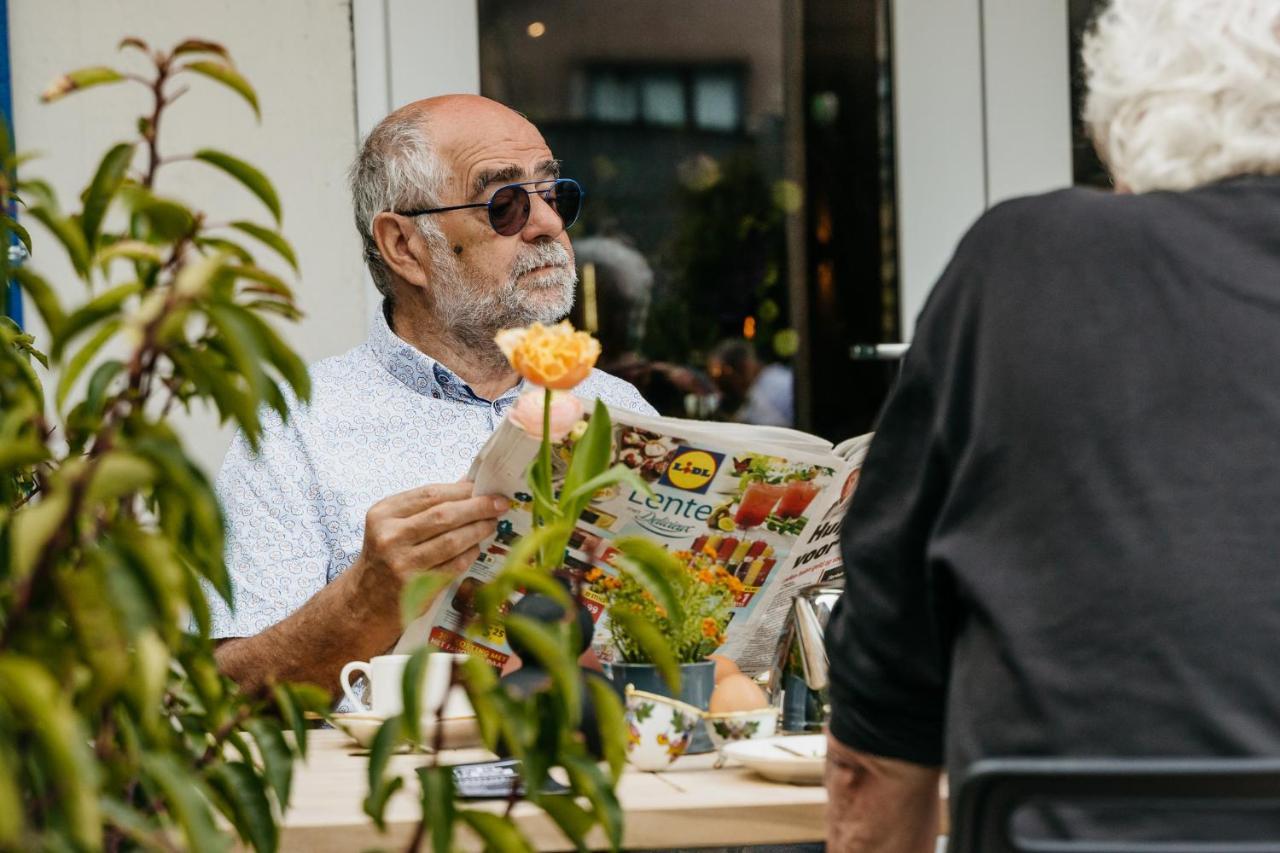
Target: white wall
[297,53]
[406,50]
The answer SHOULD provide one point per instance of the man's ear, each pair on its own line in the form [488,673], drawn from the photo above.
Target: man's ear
[402,248]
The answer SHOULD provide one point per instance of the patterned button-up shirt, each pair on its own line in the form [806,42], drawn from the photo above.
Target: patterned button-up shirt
[383,418]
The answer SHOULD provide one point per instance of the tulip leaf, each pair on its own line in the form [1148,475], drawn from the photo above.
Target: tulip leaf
[439,809]
[654,567]
[591,454]
[106,183]
[497,832]
[227,76]
[654,644]
[272,239]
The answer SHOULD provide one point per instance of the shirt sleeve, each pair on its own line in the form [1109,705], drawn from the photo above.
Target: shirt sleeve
[889,638]
[276,552]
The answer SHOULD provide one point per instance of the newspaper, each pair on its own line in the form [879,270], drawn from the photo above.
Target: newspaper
[767,501]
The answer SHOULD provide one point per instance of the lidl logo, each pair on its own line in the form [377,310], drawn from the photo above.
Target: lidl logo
[693,470]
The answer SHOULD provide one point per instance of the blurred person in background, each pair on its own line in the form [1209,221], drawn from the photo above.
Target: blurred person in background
[751,392]
[616,310]
[1064,540]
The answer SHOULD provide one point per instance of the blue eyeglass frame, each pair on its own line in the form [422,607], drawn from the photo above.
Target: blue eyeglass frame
[548,195]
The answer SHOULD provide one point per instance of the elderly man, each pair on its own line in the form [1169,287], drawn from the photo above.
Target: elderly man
[462,213]
[1064,542]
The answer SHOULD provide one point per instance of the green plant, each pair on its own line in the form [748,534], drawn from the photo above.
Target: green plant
[116,729]
[542,729]
[705,590]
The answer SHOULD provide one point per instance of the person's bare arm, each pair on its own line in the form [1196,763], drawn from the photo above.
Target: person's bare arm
[433,528]
[880,805]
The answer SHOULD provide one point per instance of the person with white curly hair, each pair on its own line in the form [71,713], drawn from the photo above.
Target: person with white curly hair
[1064,541]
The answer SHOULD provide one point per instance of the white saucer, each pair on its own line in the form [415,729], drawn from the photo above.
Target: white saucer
[459,732]
[798,759]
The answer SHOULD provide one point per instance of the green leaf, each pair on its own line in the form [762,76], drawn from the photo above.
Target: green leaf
[247,354]
[654,644]
[419,591]
[653,567]
[81,78]
[253,180]
[98,382]
[166,219]
[283,358]
[67,231]
[499,834]
[106,304]
[11,811]
[277,759]
[247,804]
[118,474]
[133,250]
[438,807]
[41,293]
[31,528]
[22,453]
[135,43]
[31,696]
[494,594]
[240,253]
[106,183]
[227,76]
[411,694]
[201,46]
[380,787]
[548,645]
[188,800]
[611,715]
[591,455]
[9,225]
[587,780]
[82,358]
[574,821]
[291,712]
[273,239]
[617,474]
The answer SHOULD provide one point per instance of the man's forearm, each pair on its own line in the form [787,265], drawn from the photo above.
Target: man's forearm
[353,618]
[880,805]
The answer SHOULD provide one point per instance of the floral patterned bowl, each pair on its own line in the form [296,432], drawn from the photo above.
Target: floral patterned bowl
[659,729]
[740,725]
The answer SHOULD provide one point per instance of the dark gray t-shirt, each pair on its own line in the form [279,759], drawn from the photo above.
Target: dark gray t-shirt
[1066,538]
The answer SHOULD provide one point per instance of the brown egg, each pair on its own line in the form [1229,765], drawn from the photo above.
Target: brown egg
[724,667]
[737,693]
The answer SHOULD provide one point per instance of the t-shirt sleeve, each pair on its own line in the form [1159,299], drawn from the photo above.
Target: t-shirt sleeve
[276,552]
[888,641]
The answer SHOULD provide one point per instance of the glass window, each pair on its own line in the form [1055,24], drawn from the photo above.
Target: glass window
[663,100]
[715,102]
[613,98]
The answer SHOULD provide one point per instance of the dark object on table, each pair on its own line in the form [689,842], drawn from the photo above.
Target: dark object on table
[491,780]
[995,790]
[531,678]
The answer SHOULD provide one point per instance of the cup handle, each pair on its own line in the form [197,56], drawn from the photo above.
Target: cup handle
[355,666]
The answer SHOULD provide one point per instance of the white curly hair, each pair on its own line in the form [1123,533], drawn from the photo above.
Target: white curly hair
[1184,92]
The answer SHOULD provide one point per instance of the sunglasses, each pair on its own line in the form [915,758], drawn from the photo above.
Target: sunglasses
[509,206]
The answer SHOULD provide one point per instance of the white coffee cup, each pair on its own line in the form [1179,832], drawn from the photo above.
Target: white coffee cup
[385,675]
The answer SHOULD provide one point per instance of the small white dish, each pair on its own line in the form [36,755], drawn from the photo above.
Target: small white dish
[459,732]
[796,760]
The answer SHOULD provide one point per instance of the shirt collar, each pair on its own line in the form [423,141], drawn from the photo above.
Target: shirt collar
[423,374]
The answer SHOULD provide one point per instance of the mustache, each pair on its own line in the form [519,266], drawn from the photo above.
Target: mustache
[540,255]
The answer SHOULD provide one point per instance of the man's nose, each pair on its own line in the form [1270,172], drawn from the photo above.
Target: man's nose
[543,222]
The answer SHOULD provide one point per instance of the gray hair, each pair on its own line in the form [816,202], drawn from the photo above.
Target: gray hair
[1184,92]
[397,168]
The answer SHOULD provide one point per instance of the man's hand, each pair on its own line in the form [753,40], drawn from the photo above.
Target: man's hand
[880,805]
[431,528]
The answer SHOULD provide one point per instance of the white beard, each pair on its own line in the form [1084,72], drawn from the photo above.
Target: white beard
[472,310]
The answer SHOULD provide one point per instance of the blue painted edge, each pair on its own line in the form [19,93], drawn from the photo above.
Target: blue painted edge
[13,295]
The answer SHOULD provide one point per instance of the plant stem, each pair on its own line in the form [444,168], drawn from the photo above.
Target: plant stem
[152,132]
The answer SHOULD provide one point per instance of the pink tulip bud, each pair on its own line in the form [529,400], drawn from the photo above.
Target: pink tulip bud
[566,411]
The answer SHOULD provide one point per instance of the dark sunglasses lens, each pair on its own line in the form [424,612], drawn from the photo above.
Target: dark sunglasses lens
[509,210]
[567,201]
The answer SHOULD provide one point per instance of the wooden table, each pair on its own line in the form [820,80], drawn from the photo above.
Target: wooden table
[690,805]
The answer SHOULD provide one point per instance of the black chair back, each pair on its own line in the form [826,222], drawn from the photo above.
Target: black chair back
[996,788]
